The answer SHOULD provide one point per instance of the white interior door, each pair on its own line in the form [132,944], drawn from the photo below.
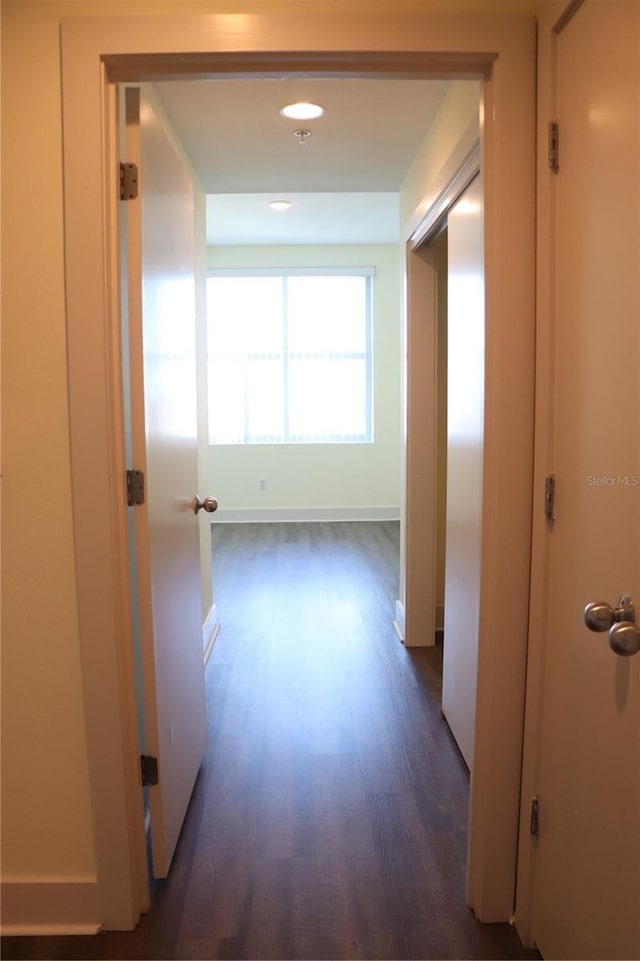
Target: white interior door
[160,264]
[587,861]
[465,440]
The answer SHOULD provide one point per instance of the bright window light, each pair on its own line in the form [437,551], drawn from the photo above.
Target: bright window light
[290,357]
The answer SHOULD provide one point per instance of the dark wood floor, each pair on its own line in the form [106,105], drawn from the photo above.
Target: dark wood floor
[329,818]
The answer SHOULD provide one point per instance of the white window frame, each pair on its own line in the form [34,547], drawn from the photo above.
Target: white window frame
[284,273]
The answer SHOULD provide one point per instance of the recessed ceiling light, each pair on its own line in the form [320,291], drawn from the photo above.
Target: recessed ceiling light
[302,111]
[279,204]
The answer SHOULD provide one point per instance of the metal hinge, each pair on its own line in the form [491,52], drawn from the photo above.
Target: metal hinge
[550,497]
[128,181]
[135,488]
[553,146]
[149,770]
[534,820]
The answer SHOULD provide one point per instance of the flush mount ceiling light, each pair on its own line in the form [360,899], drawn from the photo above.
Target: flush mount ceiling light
[302,111]
[279,204]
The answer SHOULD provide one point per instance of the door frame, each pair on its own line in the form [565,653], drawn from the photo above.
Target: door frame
[554,17]
[416,608]
[97,54]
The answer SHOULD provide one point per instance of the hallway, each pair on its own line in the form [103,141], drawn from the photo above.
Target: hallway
[329,816]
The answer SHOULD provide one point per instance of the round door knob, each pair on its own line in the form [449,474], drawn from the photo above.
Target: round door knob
[599,616]
[624,638]
[209,504]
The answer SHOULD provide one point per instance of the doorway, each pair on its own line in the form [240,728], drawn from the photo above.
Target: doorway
[262,296]
[447,305]
[511,90]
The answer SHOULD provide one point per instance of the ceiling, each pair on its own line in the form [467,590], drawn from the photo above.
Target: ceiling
[343,181]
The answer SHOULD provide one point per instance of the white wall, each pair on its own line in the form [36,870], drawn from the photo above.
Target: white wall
[440,245]
[454,132]
[451,136]
[46,814]
[323,480]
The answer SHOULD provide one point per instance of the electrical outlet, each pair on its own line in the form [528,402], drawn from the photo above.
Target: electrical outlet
[262,484]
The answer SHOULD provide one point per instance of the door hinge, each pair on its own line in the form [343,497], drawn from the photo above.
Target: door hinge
[149,770]
[135,488]
[128,181]
[550,497]
[553,146]
[534,820]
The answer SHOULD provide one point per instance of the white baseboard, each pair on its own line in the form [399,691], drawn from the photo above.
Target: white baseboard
[210,630]
[304,514]
[399,620]
[39,906]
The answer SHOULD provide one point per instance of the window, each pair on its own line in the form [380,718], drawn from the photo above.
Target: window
[289,356]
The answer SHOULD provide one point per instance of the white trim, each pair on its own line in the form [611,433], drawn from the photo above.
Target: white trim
[304,514]
[399,620]
[508,170]
[50,906]
[211,642]
[291,272]
[417,221]
[421,460]
[543,464]
[210,624]
[102,571]
[210,630]
[453,189]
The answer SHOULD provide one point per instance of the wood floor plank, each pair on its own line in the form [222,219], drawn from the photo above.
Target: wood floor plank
[329,818]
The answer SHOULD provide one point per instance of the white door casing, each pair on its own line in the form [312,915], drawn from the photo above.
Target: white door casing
[465,447]
[99,52]
[160,278]
[582,873]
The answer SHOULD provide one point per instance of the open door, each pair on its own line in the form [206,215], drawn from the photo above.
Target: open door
[465,450]
[586,886]
[161,316]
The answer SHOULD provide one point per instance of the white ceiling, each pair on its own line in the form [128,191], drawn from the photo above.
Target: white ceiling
[313,218]
[343,181]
